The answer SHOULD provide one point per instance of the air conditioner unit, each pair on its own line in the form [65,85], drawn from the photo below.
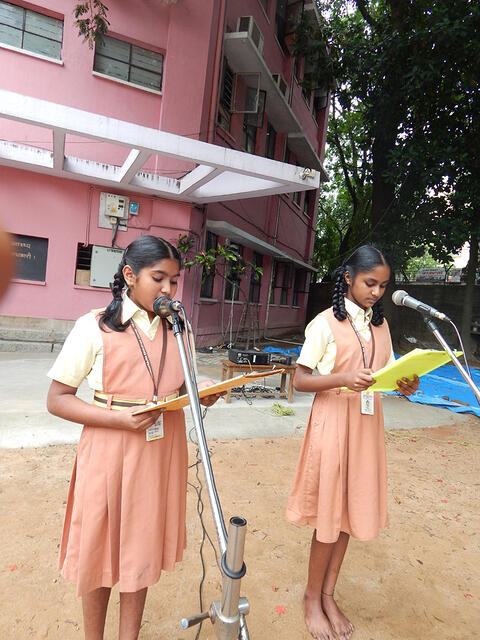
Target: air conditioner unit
[247,24]
[282,84]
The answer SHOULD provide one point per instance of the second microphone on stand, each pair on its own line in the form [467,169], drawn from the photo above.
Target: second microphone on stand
[402,299]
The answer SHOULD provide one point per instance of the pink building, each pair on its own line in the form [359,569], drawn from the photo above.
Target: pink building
[189,120]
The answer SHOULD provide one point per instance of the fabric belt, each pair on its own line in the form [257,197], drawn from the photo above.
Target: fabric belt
[112,402]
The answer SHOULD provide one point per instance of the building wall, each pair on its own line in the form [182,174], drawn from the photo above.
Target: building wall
[190,35]
[66,212]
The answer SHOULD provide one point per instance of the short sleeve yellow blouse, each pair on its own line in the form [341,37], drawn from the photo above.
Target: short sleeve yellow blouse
[319,349]
[82,353]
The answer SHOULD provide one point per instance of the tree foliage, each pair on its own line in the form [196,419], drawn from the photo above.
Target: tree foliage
[91,19]
[404,126]
[92,22]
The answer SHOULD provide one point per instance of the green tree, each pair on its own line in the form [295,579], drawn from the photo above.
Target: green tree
[406,94]
[407,79]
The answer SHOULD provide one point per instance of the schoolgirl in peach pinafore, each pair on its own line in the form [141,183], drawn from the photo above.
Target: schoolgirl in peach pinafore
[340,482]
[125,519]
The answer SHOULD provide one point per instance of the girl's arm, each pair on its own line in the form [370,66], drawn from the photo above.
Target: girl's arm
[62,402]
[355,380]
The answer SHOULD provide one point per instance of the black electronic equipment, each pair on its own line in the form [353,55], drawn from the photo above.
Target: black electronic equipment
[280,358]
[240,356]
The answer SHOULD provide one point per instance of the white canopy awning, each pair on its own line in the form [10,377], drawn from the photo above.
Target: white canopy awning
[220,174]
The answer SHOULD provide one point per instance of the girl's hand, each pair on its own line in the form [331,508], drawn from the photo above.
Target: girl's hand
[407,387]
[209,400]
[126,419]
[359,380]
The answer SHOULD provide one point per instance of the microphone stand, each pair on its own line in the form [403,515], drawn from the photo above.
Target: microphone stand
[436,332]
[227,615]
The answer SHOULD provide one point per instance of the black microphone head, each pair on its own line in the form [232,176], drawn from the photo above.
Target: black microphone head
[398,296]
[161,306]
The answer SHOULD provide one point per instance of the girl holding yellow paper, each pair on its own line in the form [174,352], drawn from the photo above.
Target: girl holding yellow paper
[340,483]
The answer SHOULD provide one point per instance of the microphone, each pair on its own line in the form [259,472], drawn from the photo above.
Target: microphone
[402,298]
[164,306]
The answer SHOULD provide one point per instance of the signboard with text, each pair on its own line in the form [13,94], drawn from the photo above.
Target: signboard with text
[30,257]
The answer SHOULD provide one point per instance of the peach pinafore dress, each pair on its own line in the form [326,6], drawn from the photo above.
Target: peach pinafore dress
[340,482]
[125,517]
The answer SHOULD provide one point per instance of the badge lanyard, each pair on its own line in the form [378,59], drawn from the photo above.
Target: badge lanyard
[147,359]
[367,397]
[366,366]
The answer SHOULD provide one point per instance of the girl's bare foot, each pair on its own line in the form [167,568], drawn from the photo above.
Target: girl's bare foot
[340,624]
[317,622]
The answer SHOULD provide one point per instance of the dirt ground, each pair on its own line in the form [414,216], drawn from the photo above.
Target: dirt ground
[419,579]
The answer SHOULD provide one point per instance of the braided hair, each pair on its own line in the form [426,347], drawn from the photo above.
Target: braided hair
[143,252]
[364,259]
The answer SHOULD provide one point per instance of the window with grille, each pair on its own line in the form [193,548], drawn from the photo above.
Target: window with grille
[281,279]
[299,286]
[30,30]
[83,264]
[125,61]
[281,21]
[270,142]
[249,135]
[256,281]
[307,203]
[208,278]
[285,283]
[225,105]
[234,275]
[274,281]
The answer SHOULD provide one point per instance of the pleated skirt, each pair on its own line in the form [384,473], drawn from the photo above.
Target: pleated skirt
[125,517]
[340,481]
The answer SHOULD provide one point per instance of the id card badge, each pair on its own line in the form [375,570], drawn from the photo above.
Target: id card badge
[155,432]
[368,403]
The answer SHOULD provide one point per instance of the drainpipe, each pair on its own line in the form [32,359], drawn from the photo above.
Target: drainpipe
[274,242]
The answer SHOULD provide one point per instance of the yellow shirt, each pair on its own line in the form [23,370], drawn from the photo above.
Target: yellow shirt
[319,349]
[82,353]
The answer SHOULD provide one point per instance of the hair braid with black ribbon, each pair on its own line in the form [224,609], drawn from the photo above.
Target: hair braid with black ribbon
[339,290]
[112,316]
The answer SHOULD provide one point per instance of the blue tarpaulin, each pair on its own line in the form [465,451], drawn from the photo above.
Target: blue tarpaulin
[444,387]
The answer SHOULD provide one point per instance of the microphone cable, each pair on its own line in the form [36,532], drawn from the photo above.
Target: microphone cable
[198,487]
[467,366]
[205,535]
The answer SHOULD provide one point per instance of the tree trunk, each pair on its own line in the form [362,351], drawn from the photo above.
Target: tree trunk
[383,193]
[467,314]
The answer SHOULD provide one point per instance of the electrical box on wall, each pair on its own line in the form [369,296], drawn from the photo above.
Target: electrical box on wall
[113,208]
[104,264]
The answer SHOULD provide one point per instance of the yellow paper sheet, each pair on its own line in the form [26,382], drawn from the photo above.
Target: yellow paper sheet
[219,387]
[417,361]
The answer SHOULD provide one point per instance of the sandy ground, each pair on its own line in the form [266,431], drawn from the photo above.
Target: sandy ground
[420,579]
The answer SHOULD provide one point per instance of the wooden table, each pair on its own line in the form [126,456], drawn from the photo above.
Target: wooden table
[230,368]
